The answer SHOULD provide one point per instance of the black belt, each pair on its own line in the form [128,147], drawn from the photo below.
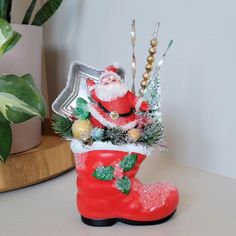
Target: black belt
[115,115]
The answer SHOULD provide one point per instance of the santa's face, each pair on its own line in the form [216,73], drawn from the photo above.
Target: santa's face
[110,88]
[110,79]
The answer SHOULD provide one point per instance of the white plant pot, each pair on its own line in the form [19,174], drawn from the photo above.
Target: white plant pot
[24,58]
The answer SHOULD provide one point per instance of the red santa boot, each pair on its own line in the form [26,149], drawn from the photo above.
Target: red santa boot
[113,105]
[109,192]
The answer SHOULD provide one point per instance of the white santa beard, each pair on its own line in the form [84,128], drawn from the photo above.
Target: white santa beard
[110,92]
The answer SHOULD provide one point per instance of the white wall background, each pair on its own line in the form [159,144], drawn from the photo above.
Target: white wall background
[198,78]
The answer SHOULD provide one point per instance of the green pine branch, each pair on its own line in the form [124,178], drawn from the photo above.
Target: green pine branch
[152,134]
[117,136]
[62,126]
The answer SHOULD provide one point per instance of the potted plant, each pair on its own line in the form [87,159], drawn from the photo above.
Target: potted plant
[44,13]
[20,100]
[26,57]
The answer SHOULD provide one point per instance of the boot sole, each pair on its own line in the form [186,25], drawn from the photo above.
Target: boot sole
[110,222]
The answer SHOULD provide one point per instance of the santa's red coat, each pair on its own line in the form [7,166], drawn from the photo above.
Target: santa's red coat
[100,115]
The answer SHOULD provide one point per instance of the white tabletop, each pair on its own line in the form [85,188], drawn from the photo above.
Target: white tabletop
[207,206]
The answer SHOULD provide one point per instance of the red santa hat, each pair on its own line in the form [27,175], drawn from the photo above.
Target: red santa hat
[111,70]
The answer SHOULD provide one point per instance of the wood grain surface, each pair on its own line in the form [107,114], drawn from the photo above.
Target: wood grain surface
[51,158]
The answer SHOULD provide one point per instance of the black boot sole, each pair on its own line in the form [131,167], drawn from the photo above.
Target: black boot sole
[110,222]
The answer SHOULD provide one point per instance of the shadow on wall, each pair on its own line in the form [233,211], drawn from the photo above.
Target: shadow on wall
[61,40]
[54,58]
[187,136]
[188,142]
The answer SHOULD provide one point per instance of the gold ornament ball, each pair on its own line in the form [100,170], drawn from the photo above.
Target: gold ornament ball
[150,59]
[146,76]
[144,83]
[81,129]
[141,92]
[148,67]
[153,42]
[153,50]
[134,134]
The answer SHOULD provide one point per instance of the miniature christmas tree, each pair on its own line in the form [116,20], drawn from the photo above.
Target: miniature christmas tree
[152,94]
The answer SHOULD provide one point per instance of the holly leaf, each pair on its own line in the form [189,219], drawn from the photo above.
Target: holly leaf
[124,185]
[81,114]
[81,111]
[128,162]
[81,102]
[104,173]
[5,137]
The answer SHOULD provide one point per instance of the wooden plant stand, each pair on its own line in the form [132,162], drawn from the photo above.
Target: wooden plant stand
[51,158]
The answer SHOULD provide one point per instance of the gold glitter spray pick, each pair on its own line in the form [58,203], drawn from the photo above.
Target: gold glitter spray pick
[150,60]
[133,64]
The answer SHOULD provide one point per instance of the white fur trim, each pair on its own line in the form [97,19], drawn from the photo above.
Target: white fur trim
[77,147]
[138,104]
[130,125]
[92,87]
[110,92]
[107,123]
[106,73]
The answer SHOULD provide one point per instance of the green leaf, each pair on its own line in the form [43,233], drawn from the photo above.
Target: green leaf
[128,162]
[37,100]
[104,173]
[8,37]
[10,43]
[29,12]
[14,109]
[5,137]
[5,9]
[20,99]
[47,10]
[27,78]
[124,185]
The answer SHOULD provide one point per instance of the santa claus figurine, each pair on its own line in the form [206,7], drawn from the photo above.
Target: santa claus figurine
[113,104]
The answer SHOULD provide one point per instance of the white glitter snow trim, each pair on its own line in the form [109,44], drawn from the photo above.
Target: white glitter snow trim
[77,147]
[92,87]
[153,196]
